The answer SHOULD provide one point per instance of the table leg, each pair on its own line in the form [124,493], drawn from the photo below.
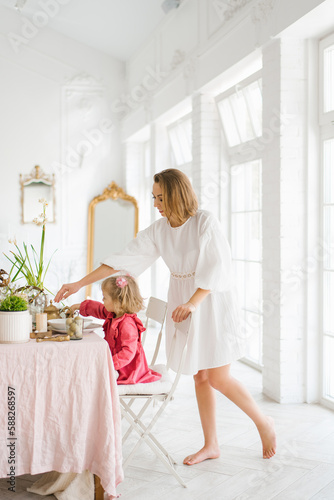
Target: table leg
[98,490]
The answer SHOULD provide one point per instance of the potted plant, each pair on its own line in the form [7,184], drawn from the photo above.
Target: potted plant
[28,265]
[15,320]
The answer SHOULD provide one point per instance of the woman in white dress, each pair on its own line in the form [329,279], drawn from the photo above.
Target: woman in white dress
[192,244]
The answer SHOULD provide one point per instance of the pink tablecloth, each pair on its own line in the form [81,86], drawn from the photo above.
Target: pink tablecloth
[67,415]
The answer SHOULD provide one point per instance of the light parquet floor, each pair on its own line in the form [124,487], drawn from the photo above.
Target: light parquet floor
[303,468]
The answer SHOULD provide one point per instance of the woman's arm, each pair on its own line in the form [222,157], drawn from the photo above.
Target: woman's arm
[96,275]
[182,312]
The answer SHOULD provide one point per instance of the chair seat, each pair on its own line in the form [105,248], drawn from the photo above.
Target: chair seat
[161,386]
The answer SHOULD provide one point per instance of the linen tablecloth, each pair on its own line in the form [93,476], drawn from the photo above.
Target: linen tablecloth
[66,405]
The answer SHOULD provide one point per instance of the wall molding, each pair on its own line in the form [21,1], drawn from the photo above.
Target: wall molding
[227,9]
[262,11]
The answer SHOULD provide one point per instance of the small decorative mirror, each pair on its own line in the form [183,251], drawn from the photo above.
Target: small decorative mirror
[35,186]
[112,223]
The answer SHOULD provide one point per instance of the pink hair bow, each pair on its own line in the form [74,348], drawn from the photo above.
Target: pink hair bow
[121,282]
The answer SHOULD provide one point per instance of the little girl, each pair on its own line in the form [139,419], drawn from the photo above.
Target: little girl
[122,328]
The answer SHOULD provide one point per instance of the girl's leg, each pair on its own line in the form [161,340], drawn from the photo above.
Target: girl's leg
[206,400]
[221,379]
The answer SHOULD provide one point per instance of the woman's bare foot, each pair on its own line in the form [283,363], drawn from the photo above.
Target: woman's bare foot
[268,438]
[205,453]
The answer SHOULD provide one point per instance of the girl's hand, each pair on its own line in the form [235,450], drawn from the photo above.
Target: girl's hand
[66,291]
[74,308]
[182,312]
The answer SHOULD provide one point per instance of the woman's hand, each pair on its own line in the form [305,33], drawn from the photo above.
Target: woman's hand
[182,312]
[66,291]
[98,274]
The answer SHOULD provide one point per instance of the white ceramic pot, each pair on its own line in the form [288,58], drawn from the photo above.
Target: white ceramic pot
[15,327]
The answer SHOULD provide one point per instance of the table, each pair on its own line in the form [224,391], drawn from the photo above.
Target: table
[60,410]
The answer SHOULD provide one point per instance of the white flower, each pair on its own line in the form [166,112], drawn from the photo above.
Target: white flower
[38,222]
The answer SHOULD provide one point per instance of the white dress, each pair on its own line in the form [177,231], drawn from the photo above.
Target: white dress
[198,256]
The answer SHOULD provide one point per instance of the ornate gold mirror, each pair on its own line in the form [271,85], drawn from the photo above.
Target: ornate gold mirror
[112,223]
[35,186]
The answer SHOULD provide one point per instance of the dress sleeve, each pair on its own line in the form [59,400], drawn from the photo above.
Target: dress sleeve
[93,308]
[137,256]
[214,266]
[128,334]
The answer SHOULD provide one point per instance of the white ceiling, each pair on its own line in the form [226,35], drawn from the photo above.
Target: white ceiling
[116,27]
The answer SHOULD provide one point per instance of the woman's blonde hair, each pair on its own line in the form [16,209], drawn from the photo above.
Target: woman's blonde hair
[125,294]
[179,197]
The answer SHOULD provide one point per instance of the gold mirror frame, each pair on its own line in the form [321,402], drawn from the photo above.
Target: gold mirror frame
[114,192]
[39,178]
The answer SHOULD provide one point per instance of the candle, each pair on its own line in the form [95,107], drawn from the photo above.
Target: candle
[41,322]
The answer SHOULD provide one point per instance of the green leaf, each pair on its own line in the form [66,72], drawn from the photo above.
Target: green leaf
[18,272]
[34,254]
[19,252]
[28,258]
[47,267]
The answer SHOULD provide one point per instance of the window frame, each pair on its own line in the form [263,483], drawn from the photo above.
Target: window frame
[326,124]
[325,118]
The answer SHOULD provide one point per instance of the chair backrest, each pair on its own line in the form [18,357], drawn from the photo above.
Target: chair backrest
[156,310]
[181,329]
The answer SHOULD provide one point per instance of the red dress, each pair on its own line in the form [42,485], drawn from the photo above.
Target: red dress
[123,335]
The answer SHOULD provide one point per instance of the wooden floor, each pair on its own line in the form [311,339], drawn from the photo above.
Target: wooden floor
[302,469]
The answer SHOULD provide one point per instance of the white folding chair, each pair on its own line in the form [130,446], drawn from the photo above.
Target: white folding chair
[156,311]
[160,391]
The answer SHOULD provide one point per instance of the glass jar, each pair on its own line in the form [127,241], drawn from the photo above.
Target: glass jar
[74,327]
[36,302]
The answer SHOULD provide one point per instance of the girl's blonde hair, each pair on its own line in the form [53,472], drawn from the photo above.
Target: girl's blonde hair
[125,294]
[179,197]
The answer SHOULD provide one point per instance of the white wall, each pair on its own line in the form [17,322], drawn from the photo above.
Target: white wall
[56,97]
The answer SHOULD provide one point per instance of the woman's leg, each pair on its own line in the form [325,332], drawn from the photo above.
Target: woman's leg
[206,400]
[221,379]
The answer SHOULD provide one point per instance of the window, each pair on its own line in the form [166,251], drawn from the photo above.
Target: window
[328,268]
[326,58]
[327,236]
[146,183]
[246,244]
[139,184]
[328,79]
[240,110]
[180,138]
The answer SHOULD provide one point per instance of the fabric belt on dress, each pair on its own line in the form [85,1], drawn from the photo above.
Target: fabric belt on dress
[183,276]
